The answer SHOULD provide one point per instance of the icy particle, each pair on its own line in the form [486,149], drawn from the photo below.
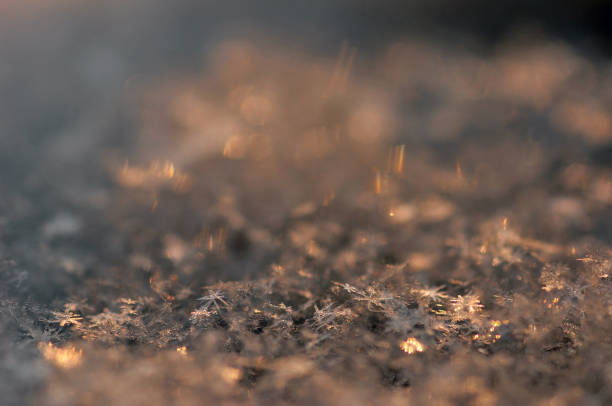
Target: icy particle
[412,345]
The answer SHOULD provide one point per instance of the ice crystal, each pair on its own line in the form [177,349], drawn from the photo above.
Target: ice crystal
[412,345]
[375,300]
[431,294]
[214,298]
[466,306]
[66,318]
[329,317]
[403,224]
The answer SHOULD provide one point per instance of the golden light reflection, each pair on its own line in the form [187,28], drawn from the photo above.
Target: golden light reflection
[155,175]
[459,171]
[231,374]
[67,357]
[398,158]
[491,335]
[412,345]
[211,240]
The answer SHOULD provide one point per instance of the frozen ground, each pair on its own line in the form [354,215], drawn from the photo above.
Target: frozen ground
[199,213]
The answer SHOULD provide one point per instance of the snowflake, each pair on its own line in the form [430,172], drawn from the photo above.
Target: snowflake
[432,294]
[436,325]
[128,306]
[328,317]
[199,315]
[551,278]
[375,299]
[323,319]
[464,307]
[213,298]
[348,288]
[600,266]
[66,318]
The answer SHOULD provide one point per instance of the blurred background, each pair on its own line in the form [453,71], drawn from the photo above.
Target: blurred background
[231,116]
[274,104]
